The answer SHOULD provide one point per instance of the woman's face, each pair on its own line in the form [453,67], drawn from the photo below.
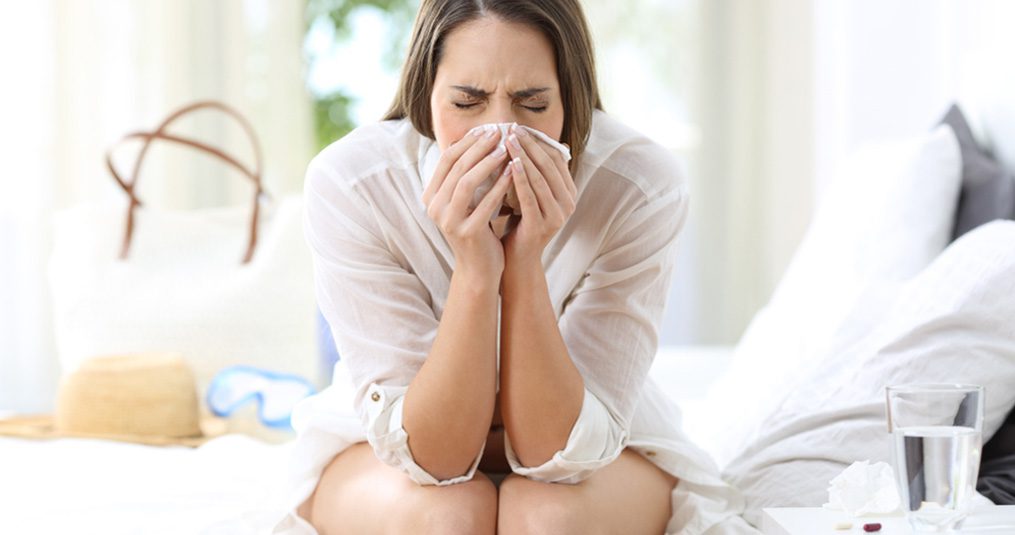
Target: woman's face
[493,71]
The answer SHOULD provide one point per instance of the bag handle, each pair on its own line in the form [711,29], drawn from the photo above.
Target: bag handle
[160,133]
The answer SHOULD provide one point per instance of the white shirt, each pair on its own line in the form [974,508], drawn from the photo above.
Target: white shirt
[382,274]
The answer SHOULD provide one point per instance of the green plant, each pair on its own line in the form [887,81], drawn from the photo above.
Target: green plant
[332,118]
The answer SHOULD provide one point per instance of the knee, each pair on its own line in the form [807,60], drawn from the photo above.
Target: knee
[464,508]
[528,507]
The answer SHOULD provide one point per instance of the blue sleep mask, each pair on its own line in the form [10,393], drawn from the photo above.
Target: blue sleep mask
[276,393]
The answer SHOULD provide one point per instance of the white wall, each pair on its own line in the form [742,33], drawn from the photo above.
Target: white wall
[890,69]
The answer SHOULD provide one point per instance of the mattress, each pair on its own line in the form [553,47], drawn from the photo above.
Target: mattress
[231,485]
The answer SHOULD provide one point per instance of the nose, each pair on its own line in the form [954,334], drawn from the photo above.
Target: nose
[501,111]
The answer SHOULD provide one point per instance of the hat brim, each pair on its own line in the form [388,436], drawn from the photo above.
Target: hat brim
[43,427]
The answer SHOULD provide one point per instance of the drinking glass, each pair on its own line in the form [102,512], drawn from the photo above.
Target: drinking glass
[936,432]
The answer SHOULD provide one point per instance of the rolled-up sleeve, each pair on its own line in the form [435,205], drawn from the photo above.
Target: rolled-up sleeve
[595,441]
[378,310]
[390,441]
[610,326]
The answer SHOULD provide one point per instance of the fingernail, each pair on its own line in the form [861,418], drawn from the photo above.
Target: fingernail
[476,131]
[513,140]
[520,132]
[498,152]
[491,132]
[517,162]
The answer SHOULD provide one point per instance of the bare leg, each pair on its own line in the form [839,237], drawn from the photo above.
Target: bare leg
[629,496]
[359,494]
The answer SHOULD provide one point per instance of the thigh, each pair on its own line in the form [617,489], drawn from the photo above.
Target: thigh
[359,494]
[629,496]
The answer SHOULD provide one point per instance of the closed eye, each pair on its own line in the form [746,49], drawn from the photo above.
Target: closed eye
[465,106]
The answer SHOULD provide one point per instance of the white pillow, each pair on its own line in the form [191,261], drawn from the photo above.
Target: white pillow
[885,216]
[953,323]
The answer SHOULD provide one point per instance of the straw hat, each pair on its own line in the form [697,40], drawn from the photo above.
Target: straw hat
[147,399]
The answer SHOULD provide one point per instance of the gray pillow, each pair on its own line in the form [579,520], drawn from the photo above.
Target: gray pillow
[988,189]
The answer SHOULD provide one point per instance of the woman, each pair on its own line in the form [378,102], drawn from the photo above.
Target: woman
[497,363]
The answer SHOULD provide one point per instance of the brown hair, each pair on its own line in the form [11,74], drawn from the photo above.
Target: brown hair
[563,23]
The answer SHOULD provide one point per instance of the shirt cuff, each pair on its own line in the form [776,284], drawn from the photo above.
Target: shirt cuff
[389,440]
[595,441]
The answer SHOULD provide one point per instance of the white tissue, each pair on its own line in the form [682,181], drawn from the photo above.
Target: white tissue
[433,154]
[864,488]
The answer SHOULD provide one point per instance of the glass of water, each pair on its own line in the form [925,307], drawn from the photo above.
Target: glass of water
[936,434]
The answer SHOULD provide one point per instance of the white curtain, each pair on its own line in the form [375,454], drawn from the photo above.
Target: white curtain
[81,74]
[727,85]
[755,173]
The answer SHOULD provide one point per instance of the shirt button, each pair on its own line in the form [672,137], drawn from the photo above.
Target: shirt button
[375,396]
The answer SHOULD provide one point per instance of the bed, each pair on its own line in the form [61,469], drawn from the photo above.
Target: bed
[84,486]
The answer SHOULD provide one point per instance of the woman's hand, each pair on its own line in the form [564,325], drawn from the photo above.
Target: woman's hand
[546,195]
[460,170]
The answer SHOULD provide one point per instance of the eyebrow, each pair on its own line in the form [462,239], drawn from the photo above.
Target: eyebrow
[479,93]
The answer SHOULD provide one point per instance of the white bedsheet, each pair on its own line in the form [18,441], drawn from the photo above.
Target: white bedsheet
[231,485]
